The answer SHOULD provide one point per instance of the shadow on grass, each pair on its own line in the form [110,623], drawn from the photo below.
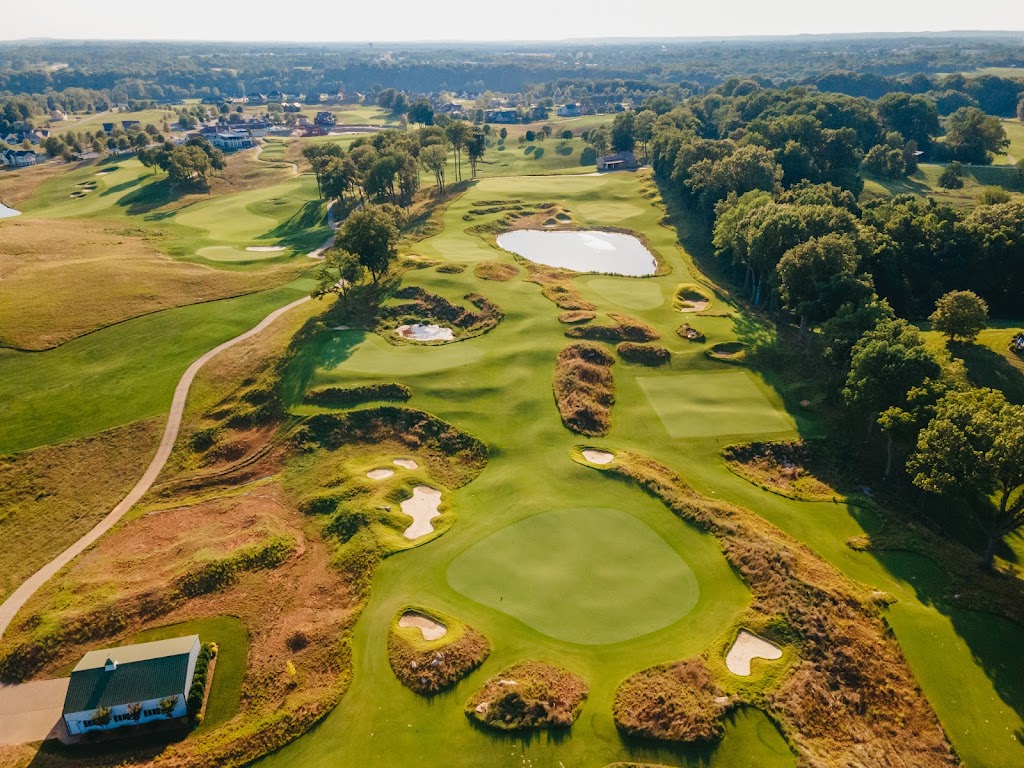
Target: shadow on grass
[986,368]
[132,748]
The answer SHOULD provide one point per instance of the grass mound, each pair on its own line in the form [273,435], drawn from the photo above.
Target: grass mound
[584,388]
[626,328]
[643,354]
[344,397]
[429,666]
[556,286]
[424,307]
[688,332]
[673,702]
[529,695]
[574,316]
[690,297]
[496,270]
[450,269]
[787,468]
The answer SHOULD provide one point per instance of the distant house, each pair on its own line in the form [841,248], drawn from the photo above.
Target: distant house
[539,113]
[131,677]
[276,97]
[108,128]
[325,118]
[232,140]
[501,116]
[256,98]
[58,116]
[19,158]
[315,130]
[570,110]
[255,128]
[128,125]
[620,161]
[292,107]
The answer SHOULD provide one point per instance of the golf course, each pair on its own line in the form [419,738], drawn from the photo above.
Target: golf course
[343,474]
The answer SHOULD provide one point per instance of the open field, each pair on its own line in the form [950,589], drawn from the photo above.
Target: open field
[926,182]
[1015,152]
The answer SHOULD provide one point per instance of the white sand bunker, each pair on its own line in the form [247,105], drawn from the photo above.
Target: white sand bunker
[747,647]
[430,629]
[379,474]
[417,332]
[265,248]
[105,171]
[598,457]
[6,212]
[406,463]
[695,306]
[422,508]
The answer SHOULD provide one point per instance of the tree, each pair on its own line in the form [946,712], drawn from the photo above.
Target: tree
[974,449]
[960,315]
[820,275]
[643,128]
[622,135]
[883,160]
[531,136]
[435,159]
[566,135]
[167,706]
[421,112]
[101,716]
[371,234]
[885,364]
[915,117]
[340,271]
[458,132]
[973,137]
[992,196]
[476,145]
[952,176]
[503,133]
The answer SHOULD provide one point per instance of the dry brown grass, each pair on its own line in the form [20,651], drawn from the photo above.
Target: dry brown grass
[20,185]
[786,468]
[50,496]
[584,388]
[575,316]
[241,172]
[496,270]
[626,328]
[674,702]
[428,667]
[62,278]
[850,698]
[531,694]
[643,354]
[556,286]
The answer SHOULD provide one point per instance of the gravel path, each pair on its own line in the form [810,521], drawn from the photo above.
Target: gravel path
[17,600]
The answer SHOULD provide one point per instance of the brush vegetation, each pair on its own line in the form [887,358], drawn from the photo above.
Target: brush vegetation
[584,388]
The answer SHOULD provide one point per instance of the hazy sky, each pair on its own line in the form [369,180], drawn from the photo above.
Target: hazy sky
[396,20]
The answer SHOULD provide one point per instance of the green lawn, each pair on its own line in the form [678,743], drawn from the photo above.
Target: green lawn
[628,292]
[590,576]
[706,404]
[232,639]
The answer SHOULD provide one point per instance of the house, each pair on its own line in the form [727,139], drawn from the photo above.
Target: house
[501,116]
[315,130]
[620,161]
[276,97]
[302,121]
[292,107]
[20,158]
[58,116]
[325,118]
[232,140]
[136,683]
[128,125]
[539,113]
[257,98]
[450,108]
[108,128]
[570,110]
[255,128]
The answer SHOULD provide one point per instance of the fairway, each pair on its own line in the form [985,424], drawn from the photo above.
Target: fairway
[708,404]
[363,352]
[632,294]
[591,576]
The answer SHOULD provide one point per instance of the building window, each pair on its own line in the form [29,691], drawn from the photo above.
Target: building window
[88,723]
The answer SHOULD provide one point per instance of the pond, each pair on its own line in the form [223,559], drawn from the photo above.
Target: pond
[610,253]
[6,212]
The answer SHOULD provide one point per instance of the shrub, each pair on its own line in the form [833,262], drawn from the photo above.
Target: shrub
[588,156]
[952,176]
[993,196]
[644,354]
[219,573]
[544,696]
[451,269]
[341,397]
[674,702]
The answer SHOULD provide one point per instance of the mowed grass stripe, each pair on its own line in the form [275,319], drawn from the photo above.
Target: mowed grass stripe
[701,405]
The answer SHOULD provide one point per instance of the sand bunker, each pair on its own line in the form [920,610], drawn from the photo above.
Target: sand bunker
[695,306]
[430,629]
[379,474]
[598,457]
[422,508]
[406,463]
[6,212]
[747,647]
[265,248]
[105,171]
[417,332]
[76,194]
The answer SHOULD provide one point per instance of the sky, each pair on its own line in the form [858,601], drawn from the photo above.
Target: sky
[482,20]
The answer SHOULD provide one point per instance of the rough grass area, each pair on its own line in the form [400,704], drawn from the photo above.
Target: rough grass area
[788,468]
[60,279]
[626,328]
[584,388]
[851,698]
[529,695]
[346,397]
[576,316]
[496,270]
[556,286]
[675,702]
[450,269]
[420,306]
[51,496]
[430,666]
[650,355]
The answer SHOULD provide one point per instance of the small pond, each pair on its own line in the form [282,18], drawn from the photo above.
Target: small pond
[610,253]
[6,212]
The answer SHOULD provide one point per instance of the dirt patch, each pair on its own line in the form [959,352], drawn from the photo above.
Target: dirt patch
[673,702]
[584,388]
[496,270]
[745,649]
[529,695]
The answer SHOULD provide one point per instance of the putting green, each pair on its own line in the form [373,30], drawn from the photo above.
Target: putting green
[629,293]
[707,404]
[590,576]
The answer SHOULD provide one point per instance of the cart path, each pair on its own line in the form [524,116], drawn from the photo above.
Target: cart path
[17,600]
